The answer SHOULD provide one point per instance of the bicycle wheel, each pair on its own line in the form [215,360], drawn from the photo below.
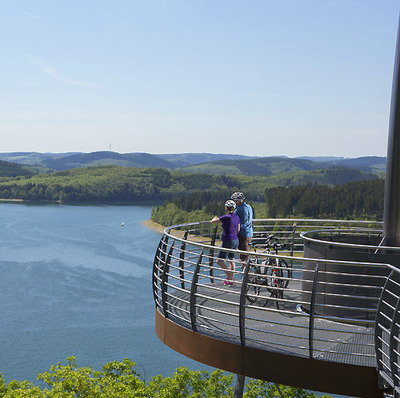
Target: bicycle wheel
[274,282]
[286,271]
[278,274]
[252,286]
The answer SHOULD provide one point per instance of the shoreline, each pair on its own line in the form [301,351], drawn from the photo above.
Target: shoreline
[11,200]
[154,226]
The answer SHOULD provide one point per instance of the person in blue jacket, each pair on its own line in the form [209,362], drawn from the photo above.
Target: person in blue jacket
[245,213]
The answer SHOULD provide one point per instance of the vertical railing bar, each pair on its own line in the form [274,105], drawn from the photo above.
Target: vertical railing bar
[193,292]
[163,248]
[292,250]
[211,258]
[242,302]
[311,324]
[394,331]
[156,263]
[378,318]
[182,260]
[164,281]
[279,390]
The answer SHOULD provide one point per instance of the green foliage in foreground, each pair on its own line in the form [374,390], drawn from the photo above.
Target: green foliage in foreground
[120,380]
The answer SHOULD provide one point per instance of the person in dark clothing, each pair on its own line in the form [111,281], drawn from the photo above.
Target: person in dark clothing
[230,228]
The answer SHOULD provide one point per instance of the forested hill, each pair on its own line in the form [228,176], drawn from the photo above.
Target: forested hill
[8,169]
[259,166]
[277,165]
[357,200]
[194,162]
[366,163]
[58,162]
[108,158]
[187,159]
[110,184]
[66,161]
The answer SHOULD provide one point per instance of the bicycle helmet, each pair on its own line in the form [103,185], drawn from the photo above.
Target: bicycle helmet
[230,204]
[237,196]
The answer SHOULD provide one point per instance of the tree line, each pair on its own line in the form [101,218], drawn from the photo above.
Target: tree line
[355,200]
[193,196]
[110,184]
[137,185]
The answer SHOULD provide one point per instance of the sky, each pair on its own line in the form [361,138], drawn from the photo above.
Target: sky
[256,77]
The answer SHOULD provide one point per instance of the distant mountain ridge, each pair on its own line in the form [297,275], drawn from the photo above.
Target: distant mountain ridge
[276,165]
[110,176]
[187,159]
[225,164]
[70,160]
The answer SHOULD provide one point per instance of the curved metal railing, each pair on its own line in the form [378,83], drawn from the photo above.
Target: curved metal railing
[338,311]
[387,332]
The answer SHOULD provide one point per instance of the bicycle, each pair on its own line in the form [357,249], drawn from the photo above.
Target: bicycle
[273,273]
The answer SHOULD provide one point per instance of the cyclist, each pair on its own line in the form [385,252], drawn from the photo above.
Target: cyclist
[230,228]
[245,213]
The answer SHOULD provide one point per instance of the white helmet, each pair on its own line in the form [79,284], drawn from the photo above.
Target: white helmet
[237,196]
[230,204]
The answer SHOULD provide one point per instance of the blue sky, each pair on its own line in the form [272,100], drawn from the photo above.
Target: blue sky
[258,77]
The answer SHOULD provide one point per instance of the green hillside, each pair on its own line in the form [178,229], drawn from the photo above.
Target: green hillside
[373,164]
[8,169]
[356,200]
[328,176]
[187,159]
[127,184]
[223,164]
[107,158]
[110,184]
[258,166]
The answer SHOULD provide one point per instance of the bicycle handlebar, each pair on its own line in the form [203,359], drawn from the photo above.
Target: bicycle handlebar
[267,242]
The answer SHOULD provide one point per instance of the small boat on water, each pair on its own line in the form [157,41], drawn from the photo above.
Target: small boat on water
[122,224]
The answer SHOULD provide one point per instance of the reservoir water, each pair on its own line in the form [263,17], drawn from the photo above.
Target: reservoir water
[76,282]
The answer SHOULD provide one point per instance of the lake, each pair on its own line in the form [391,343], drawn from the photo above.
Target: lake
[76,282]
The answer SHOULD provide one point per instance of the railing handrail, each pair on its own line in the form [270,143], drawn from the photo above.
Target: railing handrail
[305,236]
[261,254]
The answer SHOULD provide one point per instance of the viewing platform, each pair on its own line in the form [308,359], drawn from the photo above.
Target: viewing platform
[325,322]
